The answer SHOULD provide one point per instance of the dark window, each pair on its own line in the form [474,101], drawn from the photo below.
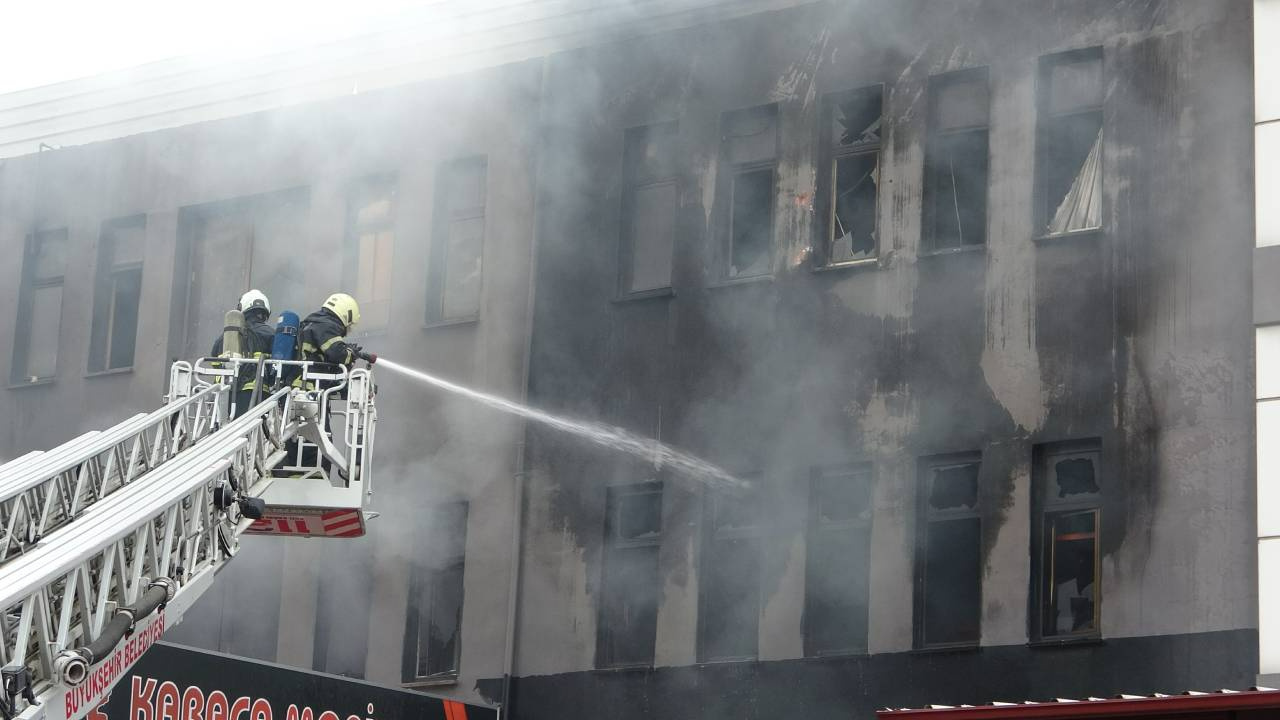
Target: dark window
[35,346]
[838,563]
[370,243]
[848,186]
[454,281]
[343,597]
[433,642]
[649,206]
[1068,500]
[729,619]
[956,160]
[749,147]
[1069,143]
[631,588]
[117,294]
[949,559]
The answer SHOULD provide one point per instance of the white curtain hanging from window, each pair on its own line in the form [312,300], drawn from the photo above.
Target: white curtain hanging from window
[1082,207]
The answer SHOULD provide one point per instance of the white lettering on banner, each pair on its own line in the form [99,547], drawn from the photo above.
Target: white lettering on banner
[104,675]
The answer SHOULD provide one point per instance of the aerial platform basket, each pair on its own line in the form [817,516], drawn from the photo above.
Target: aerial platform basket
[321,484]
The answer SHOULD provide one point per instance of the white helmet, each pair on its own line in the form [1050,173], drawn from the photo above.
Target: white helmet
[252,300]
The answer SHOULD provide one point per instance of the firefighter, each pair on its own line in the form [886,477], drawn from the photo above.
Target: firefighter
[323,333]
[323,338]
[255,343]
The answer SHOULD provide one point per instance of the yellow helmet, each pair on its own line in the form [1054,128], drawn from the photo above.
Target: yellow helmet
[345,307]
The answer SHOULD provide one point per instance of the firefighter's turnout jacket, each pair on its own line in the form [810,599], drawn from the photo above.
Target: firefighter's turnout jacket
[255,343]
[323,338]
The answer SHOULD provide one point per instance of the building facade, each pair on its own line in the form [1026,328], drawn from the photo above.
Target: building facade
[940,282]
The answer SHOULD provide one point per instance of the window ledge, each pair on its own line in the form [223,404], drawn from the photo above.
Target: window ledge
[654,294]
[945,649]
[865,264]
[962,250]
[459,322]
[736,282]
[1071,234]
[38,383]
[441,681]
[624,669]
[1077,641]
[112,371]
[727,661]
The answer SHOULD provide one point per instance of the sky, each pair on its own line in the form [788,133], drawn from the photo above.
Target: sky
[55,40]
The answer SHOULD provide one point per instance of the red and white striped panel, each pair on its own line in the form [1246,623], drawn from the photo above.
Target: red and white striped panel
[310,522]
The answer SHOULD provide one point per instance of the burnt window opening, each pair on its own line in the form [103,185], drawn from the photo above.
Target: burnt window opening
[433,636]
[371,213]
[117,294]
[35,345]
[729,617]
[1069,142]
[631,588]
[949,553]
[344,595]
[749,147]
[837,568]
[649,203]
[957,160]
[849,188]
[1066,557]
[454,273]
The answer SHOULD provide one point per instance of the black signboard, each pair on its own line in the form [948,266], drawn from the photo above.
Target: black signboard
[179,683]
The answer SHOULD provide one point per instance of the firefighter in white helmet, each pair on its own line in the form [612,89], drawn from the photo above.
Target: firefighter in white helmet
[255,343]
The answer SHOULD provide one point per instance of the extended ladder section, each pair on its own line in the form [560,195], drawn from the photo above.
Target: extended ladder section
[111,537]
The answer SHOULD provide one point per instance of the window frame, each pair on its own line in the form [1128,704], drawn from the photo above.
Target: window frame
[365,188]
[730,172]
[445,215]
[936,139]
[925,515]
[421,598]
[613,544]
[830,156]
[633,183]
[1045,119]
[30,283]
[1044,507]
[712,535]
[862,526]
[106,278]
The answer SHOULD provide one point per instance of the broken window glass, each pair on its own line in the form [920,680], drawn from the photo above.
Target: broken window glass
[837,564]
[1068,505]
[117,295]
[435,605]
[949,569]
[1073,548]
[749,148]
[457,250]
[631,585]
[752,223]
[956,160]
[1069,165]
[850,192]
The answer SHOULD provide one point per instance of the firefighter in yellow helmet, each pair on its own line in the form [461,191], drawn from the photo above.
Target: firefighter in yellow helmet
[323,333]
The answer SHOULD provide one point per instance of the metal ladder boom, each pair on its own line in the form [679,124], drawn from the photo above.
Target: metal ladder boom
[178,522]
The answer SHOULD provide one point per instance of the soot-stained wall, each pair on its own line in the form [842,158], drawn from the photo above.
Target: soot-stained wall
[1136,336]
